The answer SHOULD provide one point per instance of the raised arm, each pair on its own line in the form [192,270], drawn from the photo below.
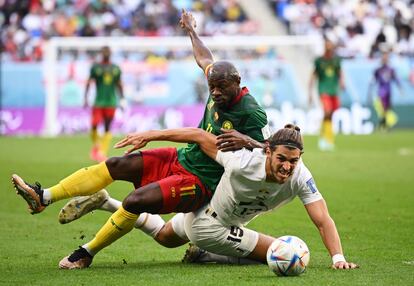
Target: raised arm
[318,212]
[207,141]
[202,54]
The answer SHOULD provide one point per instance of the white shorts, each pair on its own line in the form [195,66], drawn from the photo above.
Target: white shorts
[204,229]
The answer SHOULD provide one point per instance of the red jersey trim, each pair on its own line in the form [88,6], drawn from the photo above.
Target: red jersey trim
[242,93]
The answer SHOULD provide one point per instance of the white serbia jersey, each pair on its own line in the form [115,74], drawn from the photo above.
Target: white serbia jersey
[243,192]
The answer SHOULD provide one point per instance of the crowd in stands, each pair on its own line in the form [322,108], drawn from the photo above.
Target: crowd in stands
[27,24]
[361,28]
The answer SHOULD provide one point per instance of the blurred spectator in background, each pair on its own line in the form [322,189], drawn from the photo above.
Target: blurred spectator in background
[357,25]
[383,77]
[329,75]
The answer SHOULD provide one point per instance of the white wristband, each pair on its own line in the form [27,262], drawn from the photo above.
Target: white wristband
[338,258]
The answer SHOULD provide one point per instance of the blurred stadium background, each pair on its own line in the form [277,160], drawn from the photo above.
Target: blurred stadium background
[48,47]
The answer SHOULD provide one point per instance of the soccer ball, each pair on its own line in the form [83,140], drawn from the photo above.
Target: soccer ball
[288,256]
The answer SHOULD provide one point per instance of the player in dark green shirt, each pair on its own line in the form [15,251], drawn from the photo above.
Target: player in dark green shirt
[329,75]
[107,78]
[166,179]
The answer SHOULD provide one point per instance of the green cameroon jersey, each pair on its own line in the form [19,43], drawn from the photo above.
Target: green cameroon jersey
[245,115]
[328,72]
[106,77]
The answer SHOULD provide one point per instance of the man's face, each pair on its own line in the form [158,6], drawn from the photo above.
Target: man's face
[282,162]
[329,47]
[106,53]
[223,91]
[385,58]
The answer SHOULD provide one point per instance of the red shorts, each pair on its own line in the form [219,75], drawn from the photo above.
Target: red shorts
[330,103]
[102,113]
[181,190]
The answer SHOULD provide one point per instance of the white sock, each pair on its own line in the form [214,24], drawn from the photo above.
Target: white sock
[111,205]
[150,224]
[47,197]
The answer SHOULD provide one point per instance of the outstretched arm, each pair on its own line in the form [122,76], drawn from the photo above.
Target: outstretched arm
[232,140]
[207,141]
[202,54]
[318,212]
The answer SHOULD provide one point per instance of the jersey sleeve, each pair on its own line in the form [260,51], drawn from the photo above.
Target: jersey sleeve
[256,126]
[307,190]
[224,158]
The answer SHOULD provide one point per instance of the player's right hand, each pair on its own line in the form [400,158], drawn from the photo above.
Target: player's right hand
[187,21]
[136,140]
[231,140]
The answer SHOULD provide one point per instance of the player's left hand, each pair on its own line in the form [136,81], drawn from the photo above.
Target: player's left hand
[231,140]
[137,140]
[344,265]
[187,21]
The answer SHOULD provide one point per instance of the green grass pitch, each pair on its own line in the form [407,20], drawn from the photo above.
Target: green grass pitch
[368,183]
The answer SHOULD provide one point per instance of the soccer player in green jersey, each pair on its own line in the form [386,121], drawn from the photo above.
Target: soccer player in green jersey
[329,75]
[166,179]
[107,78]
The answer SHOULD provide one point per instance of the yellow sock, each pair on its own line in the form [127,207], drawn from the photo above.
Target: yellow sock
[83,182]
[106,140]
[95,137]
[327,131]
[329,135]
[120,223]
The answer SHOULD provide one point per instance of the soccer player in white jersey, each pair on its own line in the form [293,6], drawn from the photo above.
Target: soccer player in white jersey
[253,182]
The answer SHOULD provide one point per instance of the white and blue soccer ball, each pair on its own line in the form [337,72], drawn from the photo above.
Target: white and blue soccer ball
[288,256]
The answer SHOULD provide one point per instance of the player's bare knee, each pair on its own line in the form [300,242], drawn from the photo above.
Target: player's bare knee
[162,237]
[128,168]
[168,238]
[143,200]
[133,203]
